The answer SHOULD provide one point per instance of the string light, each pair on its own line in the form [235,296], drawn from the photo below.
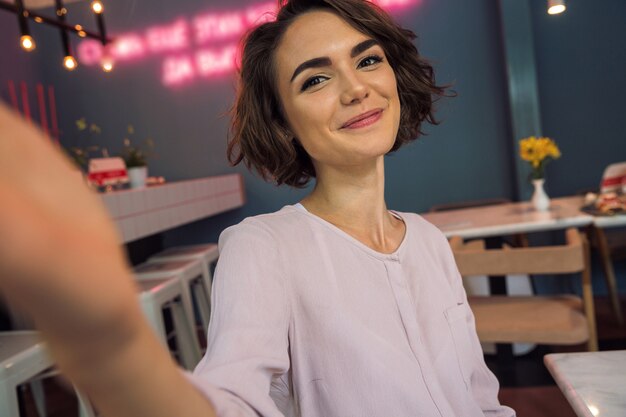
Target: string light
[27,43]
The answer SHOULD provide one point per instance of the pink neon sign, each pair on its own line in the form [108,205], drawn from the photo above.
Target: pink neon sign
[204,46]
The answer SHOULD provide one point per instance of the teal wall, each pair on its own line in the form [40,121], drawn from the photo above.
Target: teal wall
[580,63]
[581,69]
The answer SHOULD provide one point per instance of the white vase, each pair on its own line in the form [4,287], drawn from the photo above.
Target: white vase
[540,199]
[137,176]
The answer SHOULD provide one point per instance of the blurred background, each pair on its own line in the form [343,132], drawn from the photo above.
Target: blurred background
[576,59]
[517,71]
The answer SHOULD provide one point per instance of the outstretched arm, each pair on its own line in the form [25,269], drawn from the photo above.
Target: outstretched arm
[61,263]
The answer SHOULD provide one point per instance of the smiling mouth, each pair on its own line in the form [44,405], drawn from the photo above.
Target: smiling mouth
[362,120]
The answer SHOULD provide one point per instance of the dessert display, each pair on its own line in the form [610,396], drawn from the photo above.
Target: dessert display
[605,204]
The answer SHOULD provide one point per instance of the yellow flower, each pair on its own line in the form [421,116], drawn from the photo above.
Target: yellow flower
[537,151]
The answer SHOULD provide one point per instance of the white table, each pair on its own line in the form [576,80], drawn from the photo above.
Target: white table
[594,383]
[142,212]
[511,218]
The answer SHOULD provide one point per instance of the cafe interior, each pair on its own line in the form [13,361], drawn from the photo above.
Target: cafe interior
[525,174]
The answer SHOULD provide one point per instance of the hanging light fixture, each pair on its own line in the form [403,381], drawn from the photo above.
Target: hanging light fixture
[69,62]
[106,62]
[556,6]
[28,43]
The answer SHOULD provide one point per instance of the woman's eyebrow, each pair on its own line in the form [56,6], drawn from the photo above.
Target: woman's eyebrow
[325,61]
[311,63]
[362,47]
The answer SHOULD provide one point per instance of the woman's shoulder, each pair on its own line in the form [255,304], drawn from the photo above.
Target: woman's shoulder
[266,227]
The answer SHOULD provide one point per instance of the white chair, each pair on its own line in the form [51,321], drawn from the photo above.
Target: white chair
[158,295]
[23,359]
[207,253]
[613,178]
[196,283]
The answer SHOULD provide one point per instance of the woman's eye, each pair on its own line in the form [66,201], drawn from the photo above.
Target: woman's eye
[312,82]
[370,60]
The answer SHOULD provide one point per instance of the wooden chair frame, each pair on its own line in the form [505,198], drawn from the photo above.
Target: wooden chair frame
[573,257]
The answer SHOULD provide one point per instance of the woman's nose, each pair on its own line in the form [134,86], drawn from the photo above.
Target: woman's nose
[354,90]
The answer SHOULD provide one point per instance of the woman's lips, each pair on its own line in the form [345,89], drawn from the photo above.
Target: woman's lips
[364,119]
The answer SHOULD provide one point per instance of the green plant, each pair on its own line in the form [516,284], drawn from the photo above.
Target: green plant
[79,153]
[136,156]
[80,156]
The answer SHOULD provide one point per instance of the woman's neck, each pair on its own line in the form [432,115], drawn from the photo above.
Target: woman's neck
[354,201]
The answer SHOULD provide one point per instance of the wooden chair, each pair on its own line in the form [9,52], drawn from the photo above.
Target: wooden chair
[552,320]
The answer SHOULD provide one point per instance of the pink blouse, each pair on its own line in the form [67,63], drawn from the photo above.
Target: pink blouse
[308,321]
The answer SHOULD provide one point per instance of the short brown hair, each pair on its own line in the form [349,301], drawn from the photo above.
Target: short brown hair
[259,135]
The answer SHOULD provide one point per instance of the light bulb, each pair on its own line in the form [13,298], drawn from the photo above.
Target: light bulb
[97,7]
[556,9]
[107,64]
[556,6]
[27,43]
[69,62]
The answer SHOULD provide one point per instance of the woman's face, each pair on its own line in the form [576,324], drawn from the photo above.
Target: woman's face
[337,90]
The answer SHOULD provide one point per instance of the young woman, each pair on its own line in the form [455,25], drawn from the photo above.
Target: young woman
[335,306]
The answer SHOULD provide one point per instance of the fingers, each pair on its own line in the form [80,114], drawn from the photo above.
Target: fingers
[59,251]
[38,171]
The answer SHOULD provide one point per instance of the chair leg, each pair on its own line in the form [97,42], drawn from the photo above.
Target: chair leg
[9,403]
[39,397]
[84,405]
[609,273]
[187,345]
[203,303]
[588,305]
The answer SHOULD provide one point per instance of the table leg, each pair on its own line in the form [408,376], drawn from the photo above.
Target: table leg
[609,273]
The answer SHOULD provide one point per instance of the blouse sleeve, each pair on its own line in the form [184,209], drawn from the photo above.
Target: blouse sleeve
[248,333]
[483,383]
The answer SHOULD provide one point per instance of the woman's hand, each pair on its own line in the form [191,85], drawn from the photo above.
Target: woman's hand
[61,263]
[54,232]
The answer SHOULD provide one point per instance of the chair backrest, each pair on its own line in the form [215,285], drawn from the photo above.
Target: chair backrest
[613,178]
[515,319]
[472,259]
